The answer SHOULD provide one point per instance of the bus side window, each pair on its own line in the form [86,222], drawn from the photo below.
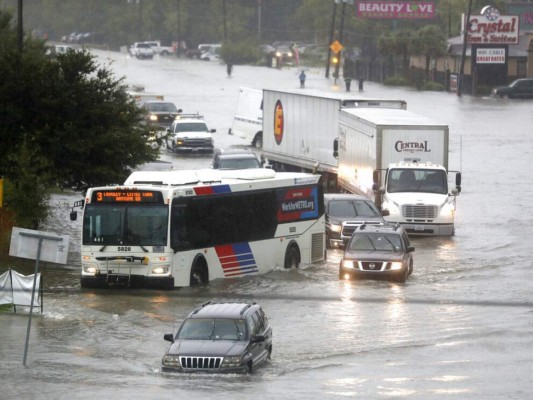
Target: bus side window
[178,228]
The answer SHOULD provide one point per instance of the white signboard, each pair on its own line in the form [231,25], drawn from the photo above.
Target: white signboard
[25,244]
[491,27]
[490,56]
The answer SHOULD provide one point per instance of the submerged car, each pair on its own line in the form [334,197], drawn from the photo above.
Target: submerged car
[220,338]
[344,212]
[518,89]
[378,252]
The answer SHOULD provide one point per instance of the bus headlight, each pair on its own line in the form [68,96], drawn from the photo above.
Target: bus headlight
[91,269]
[159,270]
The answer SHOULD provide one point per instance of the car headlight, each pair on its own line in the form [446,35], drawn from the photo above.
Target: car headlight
[335,228]
[153,117]
[179,142]
[396,265]
[231,362]
[170,360]
[349,264]
[278,54]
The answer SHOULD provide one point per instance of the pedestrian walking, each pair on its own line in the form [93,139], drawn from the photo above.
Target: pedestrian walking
[302,79]
[348,83]
[229,68]
[361,81]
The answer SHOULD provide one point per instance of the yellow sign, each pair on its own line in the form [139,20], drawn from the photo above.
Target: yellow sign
[336,46]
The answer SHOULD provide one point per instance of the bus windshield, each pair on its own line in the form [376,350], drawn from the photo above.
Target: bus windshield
[125,224]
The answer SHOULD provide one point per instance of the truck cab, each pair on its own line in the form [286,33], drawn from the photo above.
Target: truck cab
[189,133]
[417,195]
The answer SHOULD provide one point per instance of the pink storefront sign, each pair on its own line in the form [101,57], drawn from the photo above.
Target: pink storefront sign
[396,9]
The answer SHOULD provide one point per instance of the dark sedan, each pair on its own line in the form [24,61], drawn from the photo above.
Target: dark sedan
[518,89]
[160,114]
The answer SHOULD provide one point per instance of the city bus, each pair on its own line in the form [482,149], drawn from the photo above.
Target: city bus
[179,228]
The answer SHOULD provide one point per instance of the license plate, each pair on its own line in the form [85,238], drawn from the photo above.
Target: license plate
[419,228]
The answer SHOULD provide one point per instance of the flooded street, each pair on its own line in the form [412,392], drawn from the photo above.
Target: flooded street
[461,327]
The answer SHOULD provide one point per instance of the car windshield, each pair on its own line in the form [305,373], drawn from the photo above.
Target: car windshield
[212,329]
[242,163]
[352,208]
[419,180]
[375,242]
[162,107]
[191,127]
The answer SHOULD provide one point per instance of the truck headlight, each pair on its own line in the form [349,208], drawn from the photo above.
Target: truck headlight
[229,362]
[170,360]
[349,264]
[448,210]
[335,228]
[396,265]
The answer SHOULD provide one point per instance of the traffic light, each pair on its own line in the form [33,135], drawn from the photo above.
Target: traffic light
[335,59]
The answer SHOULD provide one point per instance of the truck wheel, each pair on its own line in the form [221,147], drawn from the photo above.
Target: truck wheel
[258,140]
[292,257]
[199,273]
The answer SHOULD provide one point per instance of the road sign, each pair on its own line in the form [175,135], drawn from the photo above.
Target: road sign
[336,46]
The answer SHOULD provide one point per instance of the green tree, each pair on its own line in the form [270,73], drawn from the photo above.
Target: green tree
[430,41]
[64,122]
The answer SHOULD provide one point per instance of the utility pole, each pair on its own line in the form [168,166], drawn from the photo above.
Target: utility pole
[19,27]
[179,30]
[259,21]
[224,14]
[337,66]
[331,37]
[463,55]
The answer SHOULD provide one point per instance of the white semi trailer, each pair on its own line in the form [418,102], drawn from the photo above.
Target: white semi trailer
[399,159]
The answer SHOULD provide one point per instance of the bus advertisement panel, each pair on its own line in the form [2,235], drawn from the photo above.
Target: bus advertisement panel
[171,229]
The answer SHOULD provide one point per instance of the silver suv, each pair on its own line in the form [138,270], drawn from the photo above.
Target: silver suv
[220,338]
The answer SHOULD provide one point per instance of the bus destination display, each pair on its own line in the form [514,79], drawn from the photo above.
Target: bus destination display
[127,196]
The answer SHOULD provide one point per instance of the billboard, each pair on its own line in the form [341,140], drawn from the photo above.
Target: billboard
[396,9]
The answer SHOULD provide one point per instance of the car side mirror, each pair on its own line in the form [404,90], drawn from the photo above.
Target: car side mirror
[410,249]
[73,215]
[213,130]
[169,337]
[385,213]
[336,147]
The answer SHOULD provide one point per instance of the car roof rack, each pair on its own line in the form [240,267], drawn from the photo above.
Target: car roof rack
[202,306]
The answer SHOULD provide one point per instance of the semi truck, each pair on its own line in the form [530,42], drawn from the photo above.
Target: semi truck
[299,129]
[400,160]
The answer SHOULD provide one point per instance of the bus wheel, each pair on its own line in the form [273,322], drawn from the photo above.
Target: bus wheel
[292,257]
[199,274]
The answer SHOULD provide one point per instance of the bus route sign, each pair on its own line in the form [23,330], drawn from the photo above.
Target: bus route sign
[127,196]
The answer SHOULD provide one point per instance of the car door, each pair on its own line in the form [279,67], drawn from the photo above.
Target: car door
[257,327]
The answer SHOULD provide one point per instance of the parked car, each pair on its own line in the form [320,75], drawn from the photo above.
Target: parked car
[213,54]
[344,212]
[518,89]
[235,159]
[142,50]
[220,338]
[378,252]
[160,114]
[189,133]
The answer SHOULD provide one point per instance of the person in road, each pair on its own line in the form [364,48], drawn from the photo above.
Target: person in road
[229,68]
[302,79]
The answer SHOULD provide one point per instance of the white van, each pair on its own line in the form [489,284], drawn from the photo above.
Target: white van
[248,119]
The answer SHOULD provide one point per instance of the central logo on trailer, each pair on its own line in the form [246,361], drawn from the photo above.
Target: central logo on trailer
[278,122]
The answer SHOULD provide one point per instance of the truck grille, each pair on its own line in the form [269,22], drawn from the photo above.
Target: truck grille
[196,142]
[416,213]
[200,363]
[317,247]
[372,265]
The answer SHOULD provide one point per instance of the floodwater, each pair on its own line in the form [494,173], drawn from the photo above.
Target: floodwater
[461,327]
